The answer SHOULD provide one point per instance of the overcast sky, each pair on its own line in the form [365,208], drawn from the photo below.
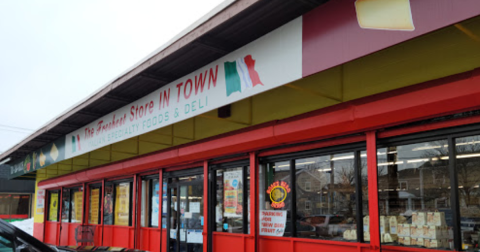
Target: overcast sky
[54,53]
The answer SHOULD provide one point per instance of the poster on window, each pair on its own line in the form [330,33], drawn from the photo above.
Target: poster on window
[233,195]
[122,204]
[272,223]
[53,207]
[94,205]
[108,205]
[40,201]
[155,203]
[77,207]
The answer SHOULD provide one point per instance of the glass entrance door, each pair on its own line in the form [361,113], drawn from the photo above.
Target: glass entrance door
[185,212]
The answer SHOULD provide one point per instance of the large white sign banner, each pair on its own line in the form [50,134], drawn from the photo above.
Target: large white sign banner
[270,61]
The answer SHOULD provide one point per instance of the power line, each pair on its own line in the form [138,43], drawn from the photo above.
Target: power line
[21,132]
[14,127]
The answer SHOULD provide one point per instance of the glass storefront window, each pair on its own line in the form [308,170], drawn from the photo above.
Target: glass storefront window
[4,204]
[77,205]
[155,199]
[185,197]
[53,202]
[14,206]
[117,203]
[15,201]
[94,205]
[325,197]
[328,193]
[364,194]
[145,203]
[164,203]
[232,197]
[150,202]
[173,212]
[467,168]
[122,204]
[66,205]
[275,199]
[414,195]
[108,204]
[72,205]
[23,205]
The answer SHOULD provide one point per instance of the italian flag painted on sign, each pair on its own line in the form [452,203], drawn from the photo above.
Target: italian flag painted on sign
[241,75]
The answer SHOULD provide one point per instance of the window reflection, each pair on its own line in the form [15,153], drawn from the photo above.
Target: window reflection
[164,203]
[155,202]
[468,175]
[414,195]
[108,205]
[324,197]
[66,205]
[329,212]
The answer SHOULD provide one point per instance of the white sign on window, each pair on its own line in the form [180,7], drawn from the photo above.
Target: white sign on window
[272,223]
[194,207]
[40,201]
[194,236]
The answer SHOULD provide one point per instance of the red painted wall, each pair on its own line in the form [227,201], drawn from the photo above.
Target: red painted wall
[51,232]
[97,239]
[38,231]
[149,239]
[118,236]
[285,244]
[229,242]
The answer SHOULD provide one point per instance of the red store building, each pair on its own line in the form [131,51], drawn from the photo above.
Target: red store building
[277,126]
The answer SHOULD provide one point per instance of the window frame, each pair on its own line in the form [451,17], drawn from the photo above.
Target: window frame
[400,183]
[357,148]
[309,205]
[309,189]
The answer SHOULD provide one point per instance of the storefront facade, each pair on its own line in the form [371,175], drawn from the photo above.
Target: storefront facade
[343,132]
